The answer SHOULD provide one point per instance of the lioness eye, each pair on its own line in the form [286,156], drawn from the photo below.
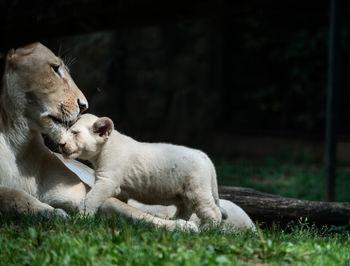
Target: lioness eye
[56,68]
[75,133]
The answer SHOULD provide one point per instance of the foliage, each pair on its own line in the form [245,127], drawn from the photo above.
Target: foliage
[33,240]
[297,176]
[256,69]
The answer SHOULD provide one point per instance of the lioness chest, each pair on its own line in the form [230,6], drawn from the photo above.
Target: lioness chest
[15,170]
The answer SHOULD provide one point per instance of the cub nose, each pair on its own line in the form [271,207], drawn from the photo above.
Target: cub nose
[83,106]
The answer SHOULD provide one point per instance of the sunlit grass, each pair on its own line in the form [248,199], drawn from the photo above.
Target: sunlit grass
[33,240]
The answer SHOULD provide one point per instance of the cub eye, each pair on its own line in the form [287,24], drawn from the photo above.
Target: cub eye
[56,68]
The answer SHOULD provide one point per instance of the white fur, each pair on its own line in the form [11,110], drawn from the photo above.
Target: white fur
[237,218]
[85,173]
[153,173]
[32,179]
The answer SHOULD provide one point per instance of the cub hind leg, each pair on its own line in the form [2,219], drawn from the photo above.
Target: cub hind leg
[202,202]
[182,211]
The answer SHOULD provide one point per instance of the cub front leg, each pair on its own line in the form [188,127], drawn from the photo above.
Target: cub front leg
[103,189]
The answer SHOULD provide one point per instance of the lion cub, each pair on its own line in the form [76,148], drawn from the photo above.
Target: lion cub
[152,173]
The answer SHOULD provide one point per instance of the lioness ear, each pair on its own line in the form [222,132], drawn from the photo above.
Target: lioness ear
[22,51]
[103,127]
[10,53]
[26,50]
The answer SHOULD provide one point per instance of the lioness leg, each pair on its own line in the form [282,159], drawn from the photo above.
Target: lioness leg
[66,195]
[115,206]
[17,200]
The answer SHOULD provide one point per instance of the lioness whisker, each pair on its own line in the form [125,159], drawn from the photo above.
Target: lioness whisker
[64,54]
[73,61]
[59,49]
[69,61]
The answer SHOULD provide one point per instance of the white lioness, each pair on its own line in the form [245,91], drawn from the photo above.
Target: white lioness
[237,218]
[152,173]
[39,96]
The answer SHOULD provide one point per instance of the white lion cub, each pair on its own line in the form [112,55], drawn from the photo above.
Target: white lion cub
[152,173]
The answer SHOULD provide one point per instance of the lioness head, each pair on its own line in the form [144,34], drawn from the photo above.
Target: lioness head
[39,84]
[85,138]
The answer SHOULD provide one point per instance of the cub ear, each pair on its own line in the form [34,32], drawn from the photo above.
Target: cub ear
[103,127]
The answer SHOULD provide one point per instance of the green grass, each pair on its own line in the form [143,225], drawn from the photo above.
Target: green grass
[296,178]
[34,240]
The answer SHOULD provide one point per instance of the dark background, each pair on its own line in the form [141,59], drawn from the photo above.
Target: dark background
[208,82]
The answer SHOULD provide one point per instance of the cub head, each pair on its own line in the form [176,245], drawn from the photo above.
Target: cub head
[85,138]
[38,85]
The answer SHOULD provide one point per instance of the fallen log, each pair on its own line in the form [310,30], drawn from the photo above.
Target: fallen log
[265,207]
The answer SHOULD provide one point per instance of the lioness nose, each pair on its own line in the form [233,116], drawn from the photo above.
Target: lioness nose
[82,106]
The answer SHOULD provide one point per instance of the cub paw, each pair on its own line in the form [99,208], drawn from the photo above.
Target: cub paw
[86,211]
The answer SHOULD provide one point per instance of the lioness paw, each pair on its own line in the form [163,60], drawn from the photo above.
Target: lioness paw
[60,213]
[187,225]
[54,212]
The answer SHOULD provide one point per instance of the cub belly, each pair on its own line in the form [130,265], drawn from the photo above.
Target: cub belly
[155,179]
[150,194]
